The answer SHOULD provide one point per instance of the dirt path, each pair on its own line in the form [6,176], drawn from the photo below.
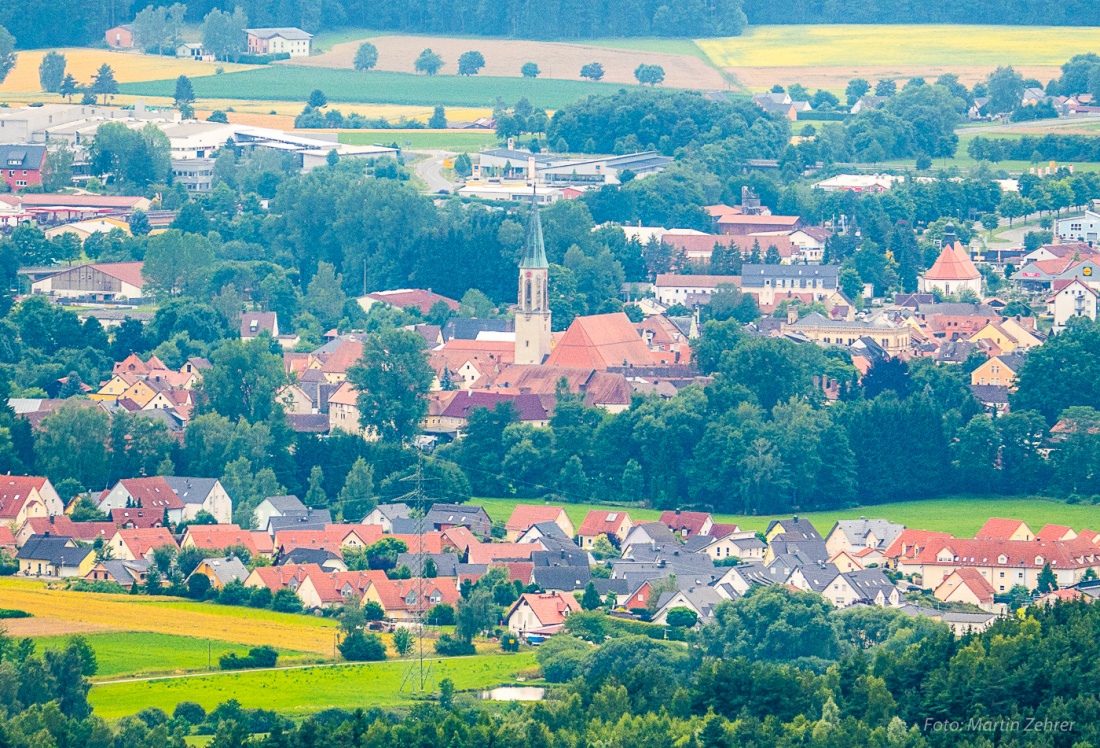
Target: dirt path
[504,57]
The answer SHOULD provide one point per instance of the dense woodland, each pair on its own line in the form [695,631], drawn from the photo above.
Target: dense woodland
[776,668]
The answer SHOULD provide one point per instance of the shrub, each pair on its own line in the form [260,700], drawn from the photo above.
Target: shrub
[114,588]
[234,593]
[286,601]
[260,598]
[449,646]
[14,613]
[372,611]
[509,642]
[682,618]
[258,657]
[360,647]
[441,615]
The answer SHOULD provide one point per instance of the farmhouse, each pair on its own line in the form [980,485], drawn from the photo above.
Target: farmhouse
[273,41]
[120,37]
[105,281]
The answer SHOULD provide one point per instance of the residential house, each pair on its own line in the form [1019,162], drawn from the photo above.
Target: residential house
[999,370]
[325,589]
[743,577]
[310,519]
[599,523]
[132,518]
[902,554]
[202,495]
[253,324]
[222,571]
[25,496]
[525,515]
[1007,563]
[402,298]
[61,525]
[769,283]
[1071,299]
[53,556]
[742,545]
[959,622]
[343,412]
[327,560]
[275,506]
[966,586]
[648,533]
[687,524]
[540,613]
[406,599]
[130,545]
[702,600]
[152,494]
[222,537]
[124,573]
[21,165]
[691,290]
[542,531]
[120,37]
[856,535]
[276,578]
[446,516]
[1007,337]
[384,515]
[996,528]
[1055,532]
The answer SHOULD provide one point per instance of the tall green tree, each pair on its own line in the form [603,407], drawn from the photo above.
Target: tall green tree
[51,71]
[7,53]
[392,379]
[243,380]
[366,56]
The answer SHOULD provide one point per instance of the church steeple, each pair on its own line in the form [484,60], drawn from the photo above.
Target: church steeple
[533,304]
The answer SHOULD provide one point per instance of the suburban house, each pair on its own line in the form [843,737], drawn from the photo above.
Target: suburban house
[130,545]
[202,495]
[1071,299]
[384,515]
[526,515]
[274,41]
[275,506]
[402,599]
[23,497]
[253,324]
[540,613]
[998,370]
[102,281]
[742,545]
[687,524]
[600,522]
[276,578]
[856,535]
[124,573]
[152,494]
[997,528]
[221,571]
[701,600]
[22,165]
[323,589]
[1007,563]
[966,586]
[648,533]
[53,556]
[446,516]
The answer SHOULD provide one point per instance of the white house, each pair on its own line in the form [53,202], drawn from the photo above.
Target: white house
[275,506]
[673,289]
[541,613]
[273,41]
[203,495]
[1071,299]
[1084,228]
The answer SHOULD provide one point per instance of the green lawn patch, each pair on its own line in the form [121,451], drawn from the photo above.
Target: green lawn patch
[307,690]
[959,516]
[294,83]
[447,140]
[139,654]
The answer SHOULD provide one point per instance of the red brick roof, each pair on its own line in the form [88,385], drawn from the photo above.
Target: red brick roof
[998,529]
[911,542]
[330,585]
[277,577]
[63,526]
[704,244]
[14,490]
[601,341]
[550,608]
[220,537]
[529,407]
[394,593]
[141,542]
[742,220]
[127,272]
[1053,532]
[978,584]
[526,515]
[152,493]
[691,521]
[953,264]
[599,522]
[1071,554]
[346,355]
[489,552]
[430,542]
[141,518]
[417,297]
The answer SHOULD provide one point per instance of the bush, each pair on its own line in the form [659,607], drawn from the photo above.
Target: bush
[189,712]
[372,611]
[14,613]
[681,618]
[113,588]
[509,642]
[261,597]
[441,615]
[234,593]
[360,647]
[449,646]
[286,601]
[258,657]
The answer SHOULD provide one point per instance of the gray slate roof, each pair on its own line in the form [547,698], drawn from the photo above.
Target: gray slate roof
[125,572]
[317,556]
[227,569]
[284,504]
[857,530]
[308,520]
[564,578]
[446,564]
[289,33]
[191,490]
[53,549]
[869,582]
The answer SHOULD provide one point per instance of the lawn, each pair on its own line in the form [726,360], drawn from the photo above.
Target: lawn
[306,690]
[901,45]
[83,63]
[294,83]
[963,160]
[449,140]
[960,516]
[62,612]
[140,654]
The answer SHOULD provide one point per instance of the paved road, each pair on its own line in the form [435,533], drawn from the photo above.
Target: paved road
[431,171]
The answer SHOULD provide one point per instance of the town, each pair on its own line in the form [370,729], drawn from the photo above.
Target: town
[704,375]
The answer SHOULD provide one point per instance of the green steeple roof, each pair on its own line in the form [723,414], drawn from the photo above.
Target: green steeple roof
[534,252]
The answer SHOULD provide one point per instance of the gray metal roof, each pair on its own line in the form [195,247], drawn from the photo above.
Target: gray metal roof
[191,490]
[289,33]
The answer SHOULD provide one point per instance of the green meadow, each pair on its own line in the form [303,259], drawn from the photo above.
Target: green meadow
[303,691]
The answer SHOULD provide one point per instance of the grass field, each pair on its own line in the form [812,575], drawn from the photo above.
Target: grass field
[137,654]
[961,516]
[58,612]
[451,140]
[303,691]
[293,83]
[963,160]
[83,63]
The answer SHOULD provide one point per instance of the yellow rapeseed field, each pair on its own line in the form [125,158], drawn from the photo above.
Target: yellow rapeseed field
[902,45]
[59,611]
[128,67]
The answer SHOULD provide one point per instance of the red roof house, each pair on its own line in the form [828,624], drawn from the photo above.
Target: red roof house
[526,515]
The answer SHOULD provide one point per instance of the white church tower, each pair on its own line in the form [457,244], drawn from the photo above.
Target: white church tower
[533,309]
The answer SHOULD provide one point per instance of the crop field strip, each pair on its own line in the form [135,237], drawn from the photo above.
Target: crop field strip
[244,626]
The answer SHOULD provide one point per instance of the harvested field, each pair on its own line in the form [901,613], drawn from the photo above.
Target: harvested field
[836,78]
[504,57]
[128,66]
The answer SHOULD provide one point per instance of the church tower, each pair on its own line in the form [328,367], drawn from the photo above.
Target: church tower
[533,308]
